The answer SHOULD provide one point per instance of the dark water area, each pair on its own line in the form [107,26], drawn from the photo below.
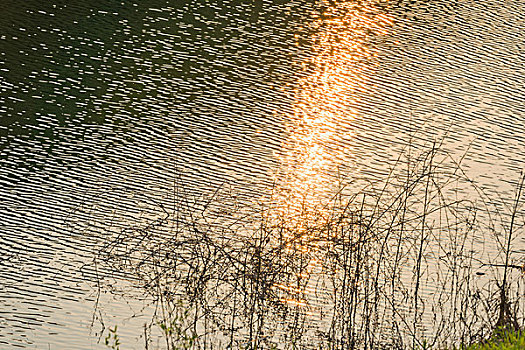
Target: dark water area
[105,105]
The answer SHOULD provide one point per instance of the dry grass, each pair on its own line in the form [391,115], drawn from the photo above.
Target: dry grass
[414,260]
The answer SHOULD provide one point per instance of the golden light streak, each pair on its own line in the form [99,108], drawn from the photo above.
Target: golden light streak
[324,107]
[322,113]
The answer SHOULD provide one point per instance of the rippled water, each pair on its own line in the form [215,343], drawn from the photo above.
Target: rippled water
[104,106]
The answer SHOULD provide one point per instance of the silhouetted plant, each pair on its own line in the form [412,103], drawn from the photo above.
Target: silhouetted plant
[398,263]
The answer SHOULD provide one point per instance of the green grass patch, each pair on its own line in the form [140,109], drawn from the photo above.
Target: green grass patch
[502,340]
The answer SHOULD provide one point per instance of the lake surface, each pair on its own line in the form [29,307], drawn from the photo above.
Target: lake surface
[104,107]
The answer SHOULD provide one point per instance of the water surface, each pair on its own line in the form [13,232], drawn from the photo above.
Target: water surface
[104,106]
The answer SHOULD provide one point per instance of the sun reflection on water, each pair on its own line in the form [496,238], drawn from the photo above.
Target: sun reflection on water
[325,104]
[324,107]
